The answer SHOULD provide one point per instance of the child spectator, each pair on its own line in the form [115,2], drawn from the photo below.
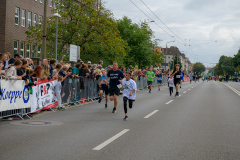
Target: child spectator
[56,70]
[46,72]
[11,73]
[57,91]
[29,72]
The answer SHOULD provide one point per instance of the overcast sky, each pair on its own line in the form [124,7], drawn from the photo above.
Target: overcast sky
[210,27]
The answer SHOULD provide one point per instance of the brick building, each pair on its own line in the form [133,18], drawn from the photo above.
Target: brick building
[15,18]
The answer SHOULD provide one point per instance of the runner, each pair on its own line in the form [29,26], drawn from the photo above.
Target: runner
[150,75]
[177,75]
[182,75]
[203,77]
[171,82]
[159,78]
[208,77]
[129,92]
[195,77]
[199,76]
[103,85]
[115,76]
[191,77]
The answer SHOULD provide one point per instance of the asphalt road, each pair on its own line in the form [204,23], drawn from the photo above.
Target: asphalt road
[203,123]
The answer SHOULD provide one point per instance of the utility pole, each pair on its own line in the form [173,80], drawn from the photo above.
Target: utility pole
[44,39]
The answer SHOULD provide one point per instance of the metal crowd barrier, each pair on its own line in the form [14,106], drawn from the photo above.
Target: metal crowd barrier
[142,82]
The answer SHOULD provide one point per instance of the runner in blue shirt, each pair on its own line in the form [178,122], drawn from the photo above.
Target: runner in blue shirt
[159,77]
[182,75]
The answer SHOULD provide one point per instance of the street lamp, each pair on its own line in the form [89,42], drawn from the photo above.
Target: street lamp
[166,54]
[56,15]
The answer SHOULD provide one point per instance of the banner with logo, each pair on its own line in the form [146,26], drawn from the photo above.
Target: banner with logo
[14,95]
[43,95]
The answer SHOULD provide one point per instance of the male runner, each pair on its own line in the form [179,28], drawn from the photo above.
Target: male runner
[182,75]
[177,78]
[150,75]
[115,76]
[191,77]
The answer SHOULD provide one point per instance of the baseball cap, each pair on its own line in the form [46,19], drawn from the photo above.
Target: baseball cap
[89,62]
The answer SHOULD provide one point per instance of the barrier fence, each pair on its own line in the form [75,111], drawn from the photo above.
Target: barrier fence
[17,101]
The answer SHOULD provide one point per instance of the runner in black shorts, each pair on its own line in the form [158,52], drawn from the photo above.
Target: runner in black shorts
[115,76]
[177,78]
[103,85]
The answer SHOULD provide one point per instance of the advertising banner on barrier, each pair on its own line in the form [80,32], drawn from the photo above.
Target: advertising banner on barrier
[43,95]
[186,79]
[14,95]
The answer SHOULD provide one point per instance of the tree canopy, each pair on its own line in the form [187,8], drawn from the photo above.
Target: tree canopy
[198,67]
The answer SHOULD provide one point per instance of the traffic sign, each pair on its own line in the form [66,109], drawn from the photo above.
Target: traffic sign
[164,64]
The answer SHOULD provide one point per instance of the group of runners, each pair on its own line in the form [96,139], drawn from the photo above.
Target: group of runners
[197,76]
[114,80]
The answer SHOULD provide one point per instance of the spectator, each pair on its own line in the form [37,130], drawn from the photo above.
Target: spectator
[3,59]
[46,72]
[65,72]
[8,58]
[38,72]
[100,63]
[61,62]
[82,71]
[12,60]
[52,65]
[89,62]
[30,63]
[1,66]
[29,77]
[94,67]
[22,70]
[11,73]
[56,70]
[76,69]
[44,62]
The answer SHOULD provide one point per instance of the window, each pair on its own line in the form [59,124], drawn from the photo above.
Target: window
[22,48]
[15,47]
[29,19]
[28,50]
[39,51]
[23,18]
[33,50]
[50,3]
[40,1]
[16,16]
[34,20]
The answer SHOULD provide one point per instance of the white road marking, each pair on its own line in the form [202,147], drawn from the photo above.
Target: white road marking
[184,91]
[189,89]
[192,87]
[151,114]
[179,96]
[169,102]
[233,89]
[110,140]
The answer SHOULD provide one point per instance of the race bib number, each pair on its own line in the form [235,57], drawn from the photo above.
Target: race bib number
[149,76]
[178,76]
[70,80]
[126,86]
[119,86]
[159,79]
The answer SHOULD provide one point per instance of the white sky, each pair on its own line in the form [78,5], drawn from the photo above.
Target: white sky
[210,27]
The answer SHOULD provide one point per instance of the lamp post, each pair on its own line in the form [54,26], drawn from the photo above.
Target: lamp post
[57,15]
[166,54]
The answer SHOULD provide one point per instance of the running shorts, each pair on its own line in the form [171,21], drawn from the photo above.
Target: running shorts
[104,88]
[177,82]
[181,78]
[149,83]
[114,91]
[160,81]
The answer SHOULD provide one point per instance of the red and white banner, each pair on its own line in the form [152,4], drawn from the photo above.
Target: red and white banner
[43,95]
[186,79]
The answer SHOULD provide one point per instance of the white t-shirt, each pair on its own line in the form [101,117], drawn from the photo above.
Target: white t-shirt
[128,87]
[170,81]
[58,87]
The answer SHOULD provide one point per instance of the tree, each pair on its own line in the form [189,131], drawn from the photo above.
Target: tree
[198,67]
[176,59]
[139,39]
[236,61]
[95,31]
[226,65]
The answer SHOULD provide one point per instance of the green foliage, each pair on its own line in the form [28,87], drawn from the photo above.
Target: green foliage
[176,60]
[95,31]
[198,67]
[139,39]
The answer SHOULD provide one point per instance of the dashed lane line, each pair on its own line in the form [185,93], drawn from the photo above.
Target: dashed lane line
[169,102]
[110,140]
[151,114]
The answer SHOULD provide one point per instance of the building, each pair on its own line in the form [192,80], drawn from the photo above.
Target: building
[16,16]
[168,56]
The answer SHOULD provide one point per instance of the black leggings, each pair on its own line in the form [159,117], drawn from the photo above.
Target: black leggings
[130,102]
[171,90]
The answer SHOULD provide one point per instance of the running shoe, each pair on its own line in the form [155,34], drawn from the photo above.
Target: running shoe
[114,110]
[125,118]
[106,106]
[149,90]
[158,89]
[99,101]
[180,86]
